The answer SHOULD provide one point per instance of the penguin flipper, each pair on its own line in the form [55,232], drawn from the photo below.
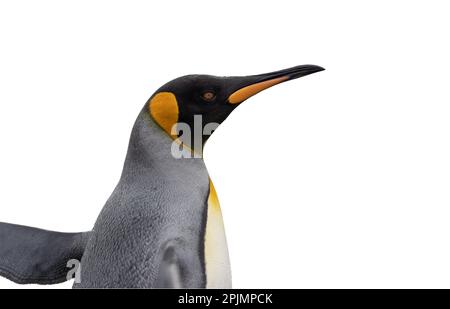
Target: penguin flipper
[31,255]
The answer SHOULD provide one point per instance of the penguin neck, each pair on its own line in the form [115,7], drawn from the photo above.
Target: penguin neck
[150,149]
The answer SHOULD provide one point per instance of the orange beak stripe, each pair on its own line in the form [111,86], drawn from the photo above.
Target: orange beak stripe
[248,91]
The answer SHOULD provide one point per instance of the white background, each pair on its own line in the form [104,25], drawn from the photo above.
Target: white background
[337,180]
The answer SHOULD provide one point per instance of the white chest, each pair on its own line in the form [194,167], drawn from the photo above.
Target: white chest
[218,272]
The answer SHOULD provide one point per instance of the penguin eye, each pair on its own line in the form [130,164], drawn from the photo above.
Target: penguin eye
[208,96]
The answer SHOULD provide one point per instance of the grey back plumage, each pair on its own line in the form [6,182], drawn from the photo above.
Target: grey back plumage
[154,222]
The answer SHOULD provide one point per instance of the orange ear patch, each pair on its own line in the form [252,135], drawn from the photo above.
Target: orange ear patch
[164,110]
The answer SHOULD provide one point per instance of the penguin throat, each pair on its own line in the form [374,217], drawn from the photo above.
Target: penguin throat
[150,148]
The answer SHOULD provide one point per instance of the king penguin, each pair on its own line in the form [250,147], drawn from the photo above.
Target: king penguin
[162,226]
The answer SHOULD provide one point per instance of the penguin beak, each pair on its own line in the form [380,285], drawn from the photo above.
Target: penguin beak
[250,85]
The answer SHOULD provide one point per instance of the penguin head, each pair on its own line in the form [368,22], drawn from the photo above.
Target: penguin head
[191,107]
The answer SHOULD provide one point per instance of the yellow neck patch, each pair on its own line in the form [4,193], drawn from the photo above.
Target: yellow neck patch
[213,201]
[163,108]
